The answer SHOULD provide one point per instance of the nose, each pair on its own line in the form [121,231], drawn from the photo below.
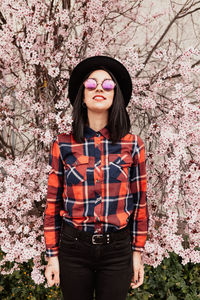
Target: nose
[99,88]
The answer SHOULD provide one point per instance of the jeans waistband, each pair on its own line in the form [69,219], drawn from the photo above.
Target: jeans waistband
[96,238]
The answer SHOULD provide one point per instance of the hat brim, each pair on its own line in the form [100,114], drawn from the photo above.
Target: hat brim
[93,63]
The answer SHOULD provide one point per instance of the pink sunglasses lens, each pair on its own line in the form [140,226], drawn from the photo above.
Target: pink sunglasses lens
[90,84]
[108,85]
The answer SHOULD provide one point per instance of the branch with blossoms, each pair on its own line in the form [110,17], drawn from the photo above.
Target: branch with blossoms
[40,43]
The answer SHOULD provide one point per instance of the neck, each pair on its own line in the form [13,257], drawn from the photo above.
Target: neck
[97,121]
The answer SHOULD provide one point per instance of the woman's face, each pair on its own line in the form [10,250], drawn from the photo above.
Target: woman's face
[105,97]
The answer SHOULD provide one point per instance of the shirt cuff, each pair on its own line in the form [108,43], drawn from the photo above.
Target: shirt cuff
[50,252]
[135,248]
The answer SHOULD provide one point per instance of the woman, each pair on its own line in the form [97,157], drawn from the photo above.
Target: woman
[96,218]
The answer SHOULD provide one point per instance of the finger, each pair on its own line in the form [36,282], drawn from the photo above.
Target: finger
[137,282]
[57,278]
[134,286]
[50,278]
[51,282]
[135,276]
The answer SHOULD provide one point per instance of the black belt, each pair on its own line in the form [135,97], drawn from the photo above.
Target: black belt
[96,238]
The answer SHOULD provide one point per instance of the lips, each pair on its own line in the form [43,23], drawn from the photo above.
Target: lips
[99,97]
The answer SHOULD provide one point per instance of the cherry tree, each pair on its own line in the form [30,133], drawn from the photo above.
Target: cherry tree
[40,43]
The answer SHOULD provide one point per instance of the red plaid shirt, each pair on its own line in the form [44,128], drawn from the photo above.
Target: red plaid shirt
[96,187]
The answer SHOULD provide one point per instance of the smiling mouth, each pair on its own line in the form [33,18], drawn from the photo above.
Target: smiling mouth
[100,98]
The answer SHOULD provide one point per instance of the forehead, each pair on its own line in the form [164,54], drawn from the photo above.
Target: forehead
[100,74]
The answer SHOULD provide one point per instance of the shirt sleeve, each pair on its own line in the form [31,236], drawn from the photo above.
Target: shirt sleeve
[138,186]
[52,218]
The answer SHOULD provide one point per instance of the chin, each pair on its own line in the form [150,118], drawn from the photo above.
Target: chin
[98,109]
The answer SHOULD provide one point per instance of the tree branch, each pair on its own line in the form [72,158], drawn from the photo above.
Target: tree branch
[161,38]
[188,13]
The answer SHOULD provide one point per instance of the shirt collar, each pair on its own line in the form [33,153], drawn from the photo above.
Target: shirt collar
[89,132]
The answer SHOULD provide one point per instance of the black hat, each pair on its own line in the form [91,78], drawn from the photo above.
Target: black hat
[93,63]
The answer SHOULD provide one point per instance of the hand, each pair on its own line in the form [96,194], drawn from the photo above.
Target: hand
[52,272]
[138,270]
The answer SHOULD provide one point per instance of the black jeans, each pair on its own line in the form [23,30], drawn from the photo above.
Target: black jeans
[86,269]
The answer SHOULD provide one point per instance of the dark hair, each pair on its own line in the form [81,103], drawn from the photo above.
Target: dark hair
[118,119]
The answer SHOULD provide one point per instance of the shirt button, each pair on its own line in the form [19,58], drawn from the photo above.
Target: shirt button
[99,198]
[97,180]
[98,134]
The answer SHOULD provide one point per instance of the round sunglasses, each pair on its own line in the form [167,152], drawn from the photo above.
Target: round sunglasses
[107,84]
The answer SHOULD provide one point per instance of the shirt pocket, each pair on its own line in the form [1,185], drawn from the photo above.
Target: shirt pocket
[119,166]
[76,172]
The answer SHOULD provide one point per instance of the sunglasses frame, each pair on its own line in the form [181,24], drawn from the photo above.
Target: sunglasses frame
[101,84]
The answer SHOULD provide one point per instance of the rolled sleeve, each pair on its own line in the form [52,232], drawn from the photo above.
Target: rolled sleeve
[138,185]
[52,218]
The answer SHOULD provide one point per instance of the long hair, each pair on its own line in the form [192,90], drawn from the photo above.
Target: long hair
[118,118]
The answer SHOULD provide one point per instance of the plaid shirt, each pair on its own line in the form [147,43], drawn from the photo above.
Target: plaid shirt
[96,187]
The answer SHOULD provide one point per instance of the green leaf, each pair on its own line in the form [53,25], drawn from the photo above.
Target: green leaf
[172,297]
[1,288]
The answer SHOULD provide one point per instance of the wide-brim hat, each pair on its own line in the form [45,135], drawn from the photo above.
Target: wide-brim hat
[93,63]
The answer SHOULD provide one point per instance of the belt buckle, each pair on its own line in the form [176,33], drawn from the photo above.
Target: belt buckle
[96,235]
